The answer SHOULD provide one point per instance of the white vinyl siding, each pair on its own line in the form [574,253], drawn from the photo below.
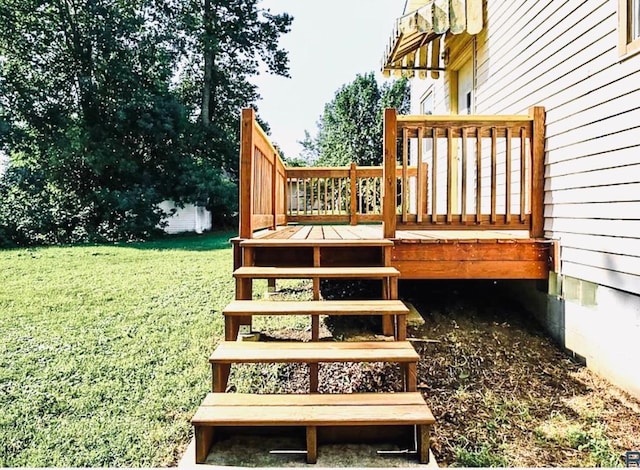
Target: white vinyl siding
[564,56]
[190,218]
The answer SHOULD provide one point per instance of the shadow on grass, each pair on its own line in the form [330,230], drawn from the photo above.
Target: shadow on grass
[186,242]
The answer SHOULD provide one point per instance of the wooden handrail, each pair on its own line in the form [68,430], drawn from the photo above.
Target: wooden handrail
[486,172]
[324,194]
[390,137]
[262,179]
[476,172]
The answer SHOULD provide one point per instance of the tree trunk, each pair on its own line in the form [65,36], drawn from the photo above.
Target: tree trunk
[207,86]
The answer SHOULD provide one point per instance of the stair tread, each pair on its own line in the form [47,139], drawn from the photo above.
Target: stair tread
[264,272]
[317,307]
[235,409]
[324,351]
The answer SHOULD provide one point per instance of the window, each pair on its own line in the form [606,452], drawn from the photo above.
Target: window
[629,26]
[427,103]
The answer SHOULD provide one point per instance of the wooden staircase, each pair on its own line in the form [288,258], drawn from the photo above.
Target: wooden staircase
[322,417]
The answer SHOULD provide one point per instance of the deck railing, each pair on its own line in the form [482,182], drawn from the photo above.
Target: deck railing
[484,172]
[337,195]
[262,179]
[475,172]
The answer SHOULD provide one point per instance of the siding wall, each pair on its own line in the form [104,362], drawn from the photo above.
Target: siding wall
[191,218]
[563,55]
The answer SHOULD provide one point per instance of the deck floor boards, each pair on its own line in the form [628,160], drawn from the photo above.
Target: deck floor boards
[374,232]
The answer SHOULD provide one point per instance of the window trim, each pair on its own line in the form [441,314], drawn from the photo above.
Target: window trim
[429,93]
[627,46]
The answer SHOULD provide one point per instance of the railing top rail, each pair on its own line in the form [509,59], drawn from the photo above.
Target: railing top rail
[266,139]
[461,119]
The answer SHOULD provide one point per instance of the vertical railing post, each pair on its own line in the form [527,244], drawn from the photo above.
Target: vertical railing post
[390,147]
[246,172]
[537,171]
[353,207]
[274,191]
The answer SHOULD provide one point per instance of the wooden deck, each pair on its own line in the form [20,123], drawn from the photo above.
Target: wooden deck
[434,254]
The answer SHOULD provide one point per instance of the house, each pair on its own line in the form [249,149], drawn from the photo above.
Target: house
[581,62]
[190,218]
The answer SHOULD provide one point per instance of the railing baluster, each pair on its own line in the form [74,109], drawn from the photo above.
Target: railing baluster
[479,132]
[404,184]
[507,198]
[304,192]
[463,208]
[523,174]
[353,190]
[420,177]
[494,169]
[450,188]
[326,198]
[434,176]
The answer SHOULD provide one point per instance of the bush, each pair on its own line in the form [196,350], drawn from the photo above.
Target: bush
[36,212]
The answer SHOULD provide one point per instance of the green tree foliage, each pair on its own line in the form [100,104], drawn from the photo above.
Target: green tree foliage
[99,125]
[350,129]
[226,43]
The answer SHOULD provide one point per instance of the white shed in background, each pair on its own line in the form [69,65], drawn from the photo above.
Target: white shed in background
[191,218]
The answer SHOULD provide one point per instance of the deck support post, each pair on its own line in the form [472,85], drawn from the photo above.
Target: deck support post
[537,171]
[423,442]
[389,173]
[312,444]
[204,440]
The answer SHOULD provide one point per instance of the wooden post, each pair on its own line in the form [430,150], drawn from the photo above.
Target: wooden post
[423,443]
[246,172]
[220,377]
[312,444]
[411,377]
[537,171]
[274,191]
[389,173]
[204,439]
[421,178]
[353,219]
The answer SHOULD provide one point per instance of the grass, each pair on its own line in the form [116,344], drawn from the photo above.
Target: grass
[104,349]
[103,361]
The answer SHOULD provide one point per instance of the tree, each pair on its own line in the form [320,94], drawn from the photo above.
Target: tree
[350,129]
[84,92]
[226,43]
[92,109]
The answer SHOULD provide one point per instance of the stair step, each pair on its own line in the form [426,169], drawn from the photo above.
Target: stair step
[292,242]
[369,272]
[314,353]
[316,307]
[324,351]
[312,411]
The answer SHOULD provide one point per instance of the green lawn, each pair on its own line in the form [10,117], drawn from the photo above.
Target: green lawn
[104,349]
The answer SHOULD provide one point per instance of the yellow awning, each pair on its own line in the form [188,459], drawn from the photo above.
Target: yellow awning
[415,42]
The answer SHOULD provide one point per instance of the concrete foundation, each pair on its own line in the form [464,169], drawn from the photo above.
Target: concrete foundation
[600,326]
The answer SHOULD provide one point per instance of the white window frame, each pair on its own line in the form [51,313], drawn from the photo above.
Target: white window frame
[628,27]
[428,99]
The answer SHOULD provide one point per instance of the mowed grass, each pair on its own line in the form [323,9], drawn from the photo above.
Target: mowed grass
[104,349]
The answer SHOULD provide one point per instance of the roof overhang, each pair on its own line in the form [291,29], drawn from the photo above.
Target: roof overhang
[414,45]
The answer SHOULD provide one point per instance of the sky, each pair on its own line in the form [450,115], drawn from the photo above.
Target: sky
[331,41]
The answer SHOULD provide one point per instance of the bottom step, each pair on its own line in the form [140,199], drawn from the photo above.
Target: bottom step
[332,456]
[316,414]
